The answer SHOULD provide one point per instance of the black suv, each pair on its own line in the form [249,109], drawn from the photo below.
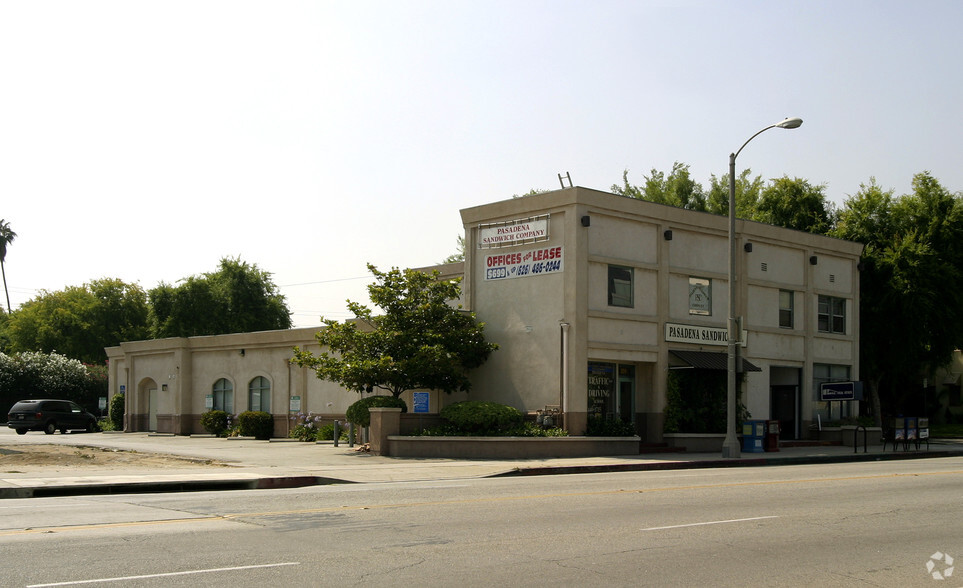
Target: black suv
[49,416]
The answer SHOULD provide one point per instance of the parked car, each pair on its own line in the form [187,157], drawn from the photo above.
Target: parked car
[49,415]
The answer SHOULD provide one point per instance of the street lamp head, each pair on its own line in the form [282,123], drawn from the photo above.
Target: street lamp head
[790,123]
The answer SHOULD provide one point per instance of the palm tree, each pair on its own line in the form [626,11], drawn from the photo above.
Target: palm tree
[6,237]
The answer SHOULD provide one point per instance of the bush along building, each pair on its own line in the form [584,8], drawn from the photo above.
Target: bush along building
[610,314]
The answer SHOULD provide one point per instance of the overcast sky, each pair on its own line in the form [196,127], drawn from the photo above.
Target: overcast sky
[146,140]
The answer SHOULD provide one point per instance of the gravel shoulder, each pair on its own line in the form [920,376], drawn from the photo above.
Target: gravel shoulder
[16,459]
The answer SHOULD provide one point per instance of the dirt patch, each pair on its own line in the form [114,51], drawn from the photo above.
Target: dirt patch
[31,458]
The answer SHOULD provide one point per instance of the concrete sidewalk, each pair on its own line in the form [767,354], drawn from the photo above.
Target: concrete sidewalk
[250,464]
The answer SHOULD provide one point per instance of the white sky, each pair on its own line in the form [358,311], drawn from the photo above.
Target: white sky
[146,140]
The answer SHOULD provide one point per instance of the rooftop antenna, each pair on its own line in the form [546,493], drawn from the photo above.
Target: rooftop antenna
[561,180]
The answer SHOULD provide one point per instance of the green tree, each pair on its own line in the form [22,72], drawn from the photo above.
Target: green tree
[80,321]
[419,342]
[36,374]
[677,189]
[911,285]
[748,191]
[458,255]
[795,204]
[236,298]
[6,238]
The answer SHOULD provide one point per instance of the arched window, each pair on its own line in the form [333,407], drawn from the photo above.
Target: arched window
[224,395]
[259,394]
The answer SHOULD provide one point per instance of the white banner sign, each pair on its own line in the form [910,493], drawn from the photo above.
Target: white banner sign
[523,264]
[514,232]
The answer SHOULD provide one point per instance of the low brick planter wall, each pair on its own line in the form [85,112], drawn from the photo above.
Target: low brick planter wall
[696,442]
[510,447]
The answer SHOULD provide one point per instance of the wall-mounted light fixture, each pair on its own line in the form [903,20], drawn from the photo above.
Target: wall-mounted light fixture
[242,353]
[586,220]
[667,235]
[813,260]
[747,247]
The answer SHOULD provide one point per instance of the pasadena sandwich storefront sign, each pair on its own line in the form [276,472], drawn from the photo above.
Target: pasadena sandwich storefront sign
[679,333]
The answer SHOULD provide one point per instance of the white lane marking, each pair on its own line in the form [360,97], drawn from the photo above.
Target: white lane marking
[169,574]
[710,523]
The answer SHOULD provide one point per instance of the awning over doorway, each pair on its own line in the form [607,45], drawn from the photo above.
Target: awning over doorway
[707,360]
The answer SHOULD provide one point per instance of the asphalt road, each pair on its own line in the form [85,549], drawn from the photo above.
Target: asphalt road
[868,524]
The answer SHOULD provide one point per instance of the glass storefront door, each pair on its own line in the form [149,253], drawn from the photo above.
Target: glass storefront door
[611,391]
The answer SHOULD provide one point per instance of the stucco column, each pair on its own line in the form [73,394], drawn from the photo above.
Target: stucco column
[384,421]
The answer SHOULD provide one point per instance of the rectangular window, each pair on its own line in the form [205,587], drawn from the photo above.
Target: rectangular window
[620,286]
[831,315]
[700,296]
[822,373]
[786,309]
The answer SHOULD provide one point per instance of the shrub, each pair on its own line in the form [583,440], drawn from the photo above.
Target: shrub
[358,413]
[599,426]
[306,427]
[116,412]
[482,418]
[526,429]
[255,423]
[215,422]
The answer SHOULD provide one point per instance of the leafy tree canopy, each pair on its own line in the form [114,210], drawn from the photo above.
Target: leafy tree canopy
[420,341]
[795,204]
[675,189]
[911,285]
[33,374]
[80,321]
[235,298]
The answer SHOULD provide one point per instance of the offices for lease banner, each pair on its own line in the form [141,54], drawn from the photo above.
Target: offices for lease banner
[594,300]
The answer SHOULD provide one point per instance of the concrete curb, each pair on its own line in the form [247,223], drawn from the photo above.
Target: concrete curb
[722,463]
[147,485]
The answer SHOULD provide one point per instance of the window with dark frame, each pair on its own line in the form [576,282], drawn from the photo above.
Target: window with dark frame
[786,319]
[831,315]
[620,286]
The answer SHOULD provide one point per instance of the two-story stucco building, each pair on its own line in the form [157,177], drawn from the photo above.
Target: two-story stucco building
[592,298]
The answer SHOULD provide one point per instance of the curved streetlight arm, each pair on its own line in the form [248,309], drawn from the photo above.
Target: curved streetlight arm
[789,123]
[730,446]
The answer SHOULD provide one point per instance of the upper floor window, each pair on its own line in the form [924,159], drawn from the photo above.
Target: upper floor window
[620,286]
[786,319]
[259,394]
[700,296]
[831,315]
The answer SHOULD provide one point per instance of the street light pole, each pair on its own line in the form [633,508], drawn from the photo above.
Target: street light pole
[730,447]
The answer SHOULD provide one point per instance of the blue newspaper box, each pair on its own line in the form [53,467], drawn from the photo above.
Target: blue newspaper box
[753,436]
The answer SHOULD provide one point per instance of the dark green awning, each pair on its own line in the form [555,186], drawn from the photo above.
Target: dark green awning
[707,360]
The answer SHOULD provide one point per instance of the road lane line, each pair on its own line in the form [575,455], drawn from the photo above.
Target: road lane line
[164,575]
[709,523]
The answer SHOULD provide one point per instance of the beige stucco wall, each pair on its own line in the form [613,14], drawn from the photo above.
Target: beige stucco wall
[550,326]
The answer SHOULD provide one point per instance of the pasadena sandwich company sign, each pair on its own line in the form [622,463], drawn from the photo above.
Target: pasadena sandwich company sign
[679,333]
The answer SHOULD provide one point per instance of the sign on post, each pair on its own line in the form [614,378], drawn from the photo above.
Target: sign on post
[840,391]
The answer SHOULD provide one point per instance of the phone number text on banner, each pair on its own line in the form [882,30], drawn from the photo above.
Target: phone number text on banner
[523,264]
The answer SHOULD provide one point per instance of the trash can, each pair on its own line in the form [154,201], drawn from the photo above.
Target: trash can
[753,436]
[772,435]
